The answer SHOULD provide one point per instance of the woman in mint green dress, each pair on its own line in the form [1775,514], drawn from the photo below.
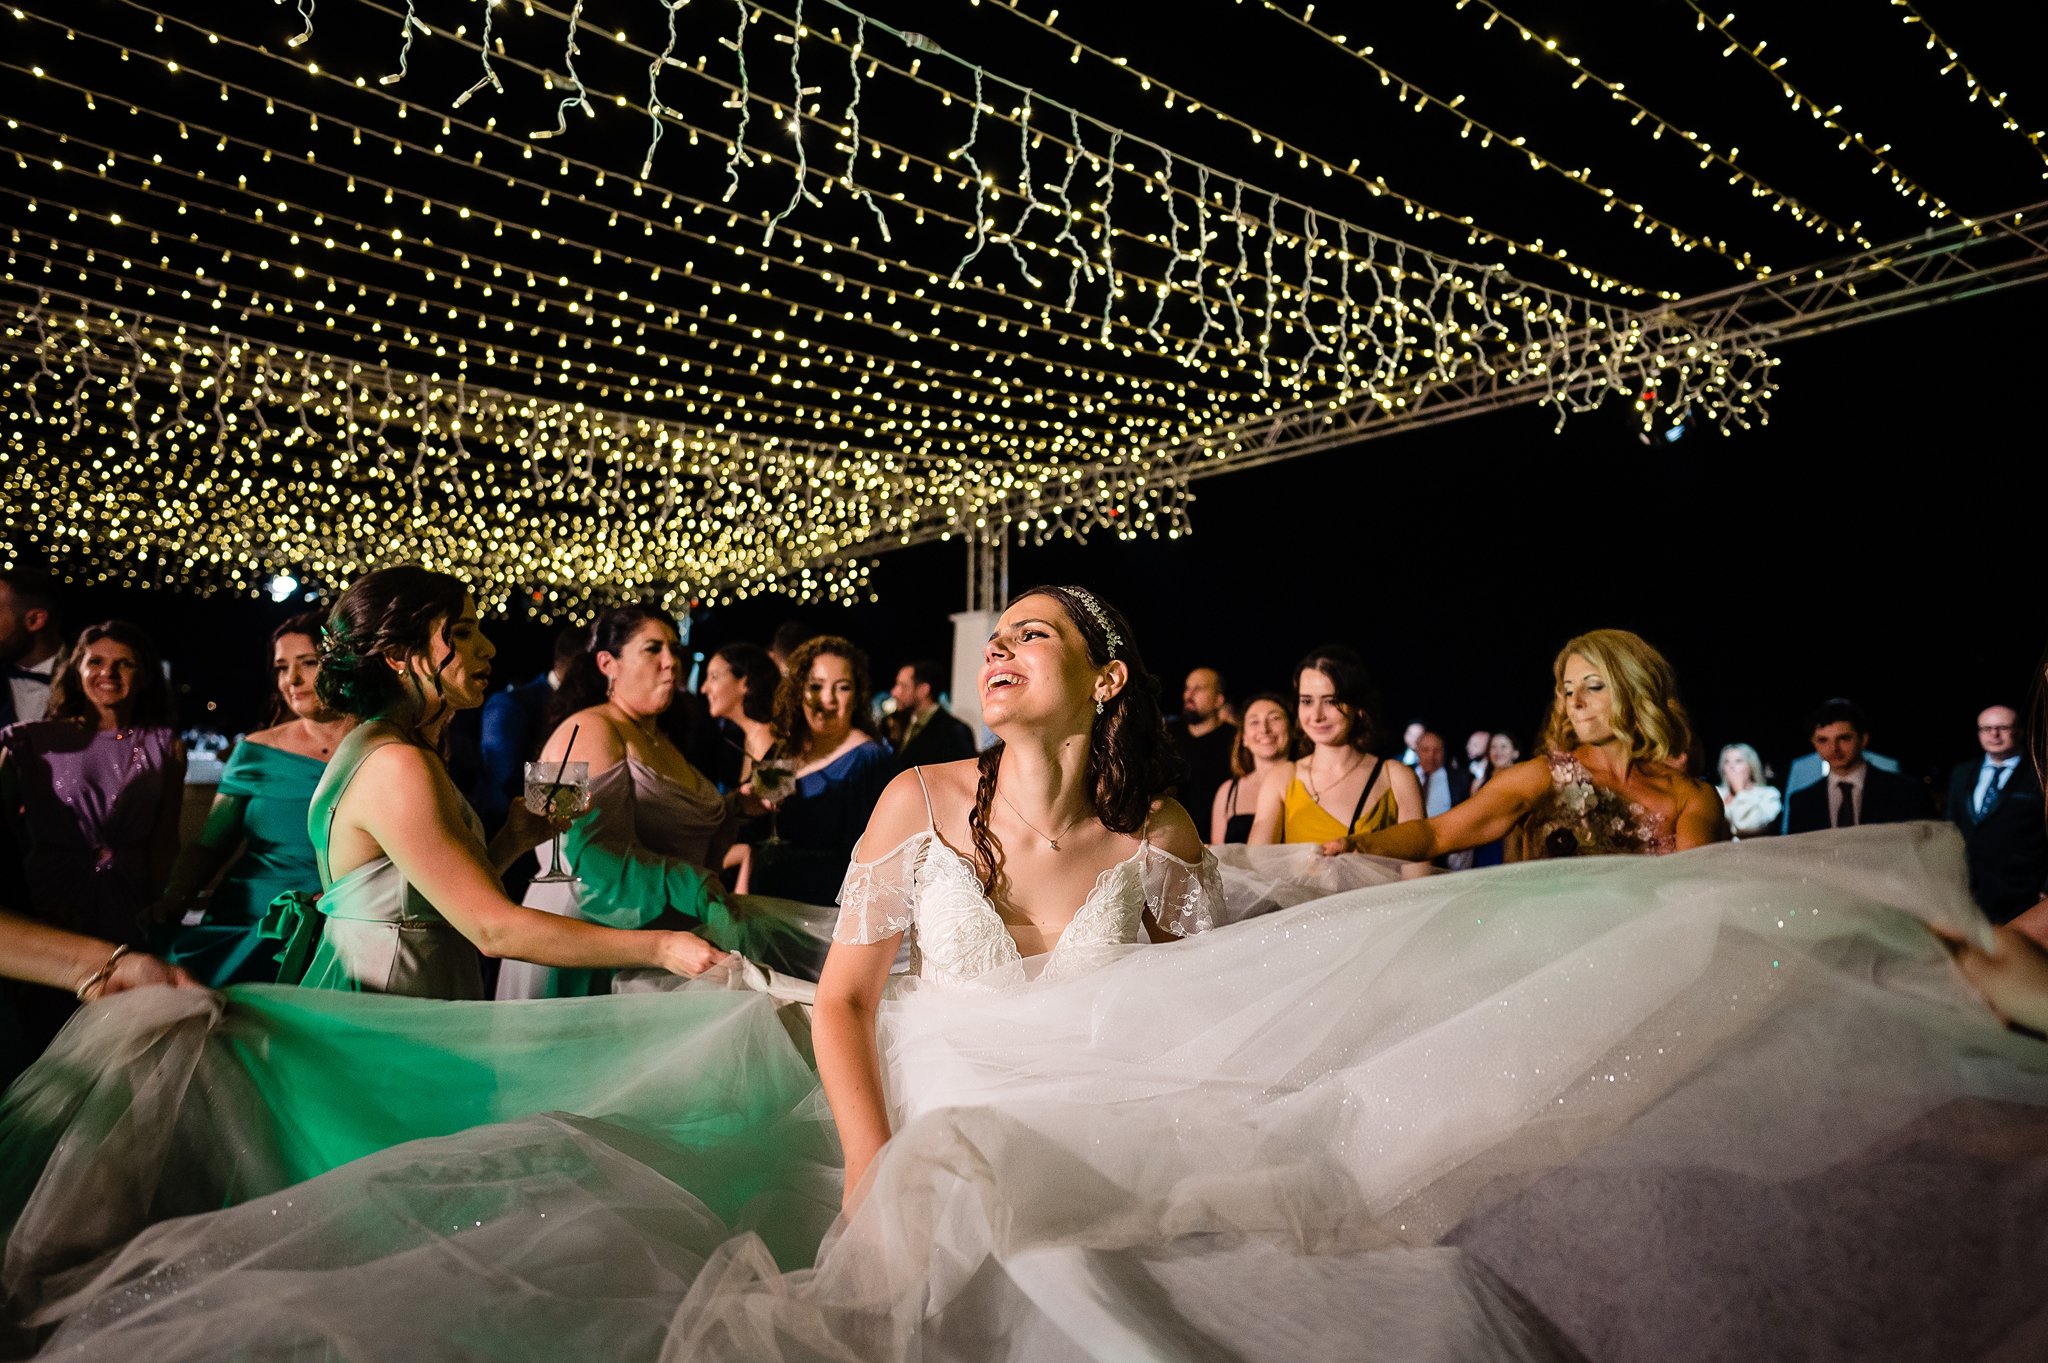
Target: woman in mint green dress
[412,898]
[257,828]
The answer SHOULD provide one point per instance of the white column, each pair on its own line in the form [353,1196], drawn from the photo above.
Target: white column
[970,633]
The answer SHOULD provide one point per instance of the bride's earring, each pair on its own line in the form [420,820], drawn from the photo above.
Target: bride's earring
[1098,705]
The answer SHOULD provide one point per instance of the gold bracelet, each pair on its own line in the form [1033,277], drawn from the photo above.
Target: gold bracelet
[99,977]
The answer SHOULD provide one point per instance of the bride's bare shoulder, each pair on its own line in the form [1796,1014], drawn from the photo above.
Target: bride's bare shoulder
[1172,830]
[913,801]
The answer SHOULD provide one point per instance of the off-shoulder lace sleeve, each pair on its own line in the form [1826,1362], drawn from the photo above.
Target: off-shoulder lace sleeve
[878,898]
[1185,896]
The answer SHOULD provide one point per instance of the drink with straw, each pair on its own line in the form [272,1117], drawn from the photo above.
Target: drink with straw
[557,790]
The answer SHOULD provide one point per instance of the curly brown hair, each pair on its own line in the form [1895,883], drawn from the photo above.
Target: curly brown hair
[792,730]
[1132,760]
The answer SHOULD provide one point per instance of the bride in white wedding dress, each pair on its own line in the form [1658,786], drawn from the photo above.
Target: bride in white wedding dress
[1735,1102]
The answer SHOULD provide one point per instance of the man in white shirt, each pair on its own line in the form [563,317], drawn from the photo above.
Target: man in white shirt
[1442,786]
[1996,803]
[1411,739]
[1475,757]
[31,644]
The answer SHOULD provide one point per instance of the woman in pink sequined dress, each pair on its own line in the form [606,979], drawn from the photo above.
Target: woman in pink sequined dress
[1611,778]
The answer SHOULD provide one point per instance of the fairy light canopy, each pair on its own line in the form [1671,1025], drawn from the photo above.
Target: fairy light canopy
[714,296]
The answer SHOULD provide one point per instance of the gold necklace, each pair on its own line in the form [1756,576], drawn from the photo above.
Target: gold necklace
[1309,772]
[1052,841]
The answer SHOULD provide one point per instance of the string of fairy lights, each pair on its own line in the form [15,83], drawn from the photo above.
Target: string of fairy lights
[1953,64]
[1828,117]
[784,326]
[1308,295]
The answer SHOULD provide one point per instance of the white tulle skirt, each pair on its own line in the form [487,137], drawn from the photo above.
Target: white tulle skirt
[1734,1103]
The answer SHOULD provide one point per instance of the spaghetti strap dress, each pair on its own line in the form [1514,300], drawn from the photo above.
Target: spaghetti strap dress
[1303,820]
[380,935]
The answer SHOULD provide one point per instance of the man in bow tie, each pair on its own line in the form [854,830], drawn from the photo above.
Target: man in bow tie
[31,645]
[1996,802]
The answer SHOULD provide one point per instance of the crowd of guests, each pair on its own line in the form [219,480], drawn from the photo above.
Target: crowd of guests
[758,781]
[1305,766]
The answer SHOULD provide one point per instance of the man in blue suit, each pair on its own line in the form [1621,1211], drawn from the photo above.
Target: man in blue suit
[1996,802]
[512,722]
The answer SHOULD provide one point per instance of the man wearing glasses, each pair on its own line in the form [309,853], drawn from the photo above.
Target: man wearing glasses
[1996,802]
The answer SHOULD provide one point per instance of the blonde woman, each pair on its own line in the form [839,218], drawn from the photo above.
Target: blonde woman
[1608,780]
[1751,804]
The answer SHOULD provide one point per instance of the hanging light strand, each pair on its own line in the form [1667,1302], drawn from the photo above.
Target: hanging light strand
[1658,126]
[1829,117]
[1953,64]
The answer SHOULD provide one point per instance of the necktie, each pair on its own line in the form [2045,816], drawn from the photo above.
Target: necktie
[1846,814]
[1991,789]
[15,672]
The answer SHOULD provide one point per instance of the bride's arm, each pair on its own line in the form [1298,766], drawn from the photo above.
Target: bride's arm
[412,818]
[1498,806]
[1171,829]
[874,916]
[849,1060]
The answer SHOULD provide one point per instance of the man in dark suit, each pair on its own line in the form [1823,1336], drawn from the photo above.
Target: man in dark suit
[1996,802]
[923,731]
[1854,792]
[512,732]
[31,644]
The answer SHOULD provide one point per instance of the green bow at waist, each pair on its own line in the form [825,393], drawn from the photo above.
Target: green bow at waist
[293,918]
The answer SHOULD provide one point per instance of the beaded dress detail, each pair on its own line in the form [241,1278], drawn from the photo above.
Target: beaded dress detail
[1577,818]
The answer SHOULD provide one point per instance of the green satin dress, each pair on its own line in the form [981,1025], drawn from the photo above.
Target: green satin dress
[379,935]
[276,789]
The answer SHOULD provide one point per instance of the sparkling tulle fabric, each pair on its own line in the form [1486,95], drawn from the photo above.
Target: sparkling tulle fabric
[1733,1103]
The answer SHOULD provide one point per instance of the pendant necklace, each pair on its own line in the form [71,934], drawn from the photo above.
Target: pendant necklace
[1051,840]
[1308,777]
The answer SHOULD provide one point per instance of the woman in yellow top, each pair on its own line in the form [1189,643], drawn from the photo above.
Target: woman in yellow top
[1341,788]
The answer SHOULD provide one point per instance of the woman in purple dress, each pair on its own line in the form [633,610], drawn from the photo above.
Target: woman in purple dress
[98,782]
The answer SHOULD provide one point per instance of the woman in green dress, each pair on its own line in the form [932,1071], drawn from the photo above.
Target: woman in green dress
[412,898]
[256,831]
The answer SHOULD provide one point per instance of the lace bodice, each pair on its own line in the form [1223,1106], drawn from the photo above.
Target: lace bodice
[925,888]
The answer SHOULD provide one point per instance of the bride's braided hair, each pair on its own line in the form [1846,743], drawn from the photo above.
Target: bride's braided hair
[1132,760]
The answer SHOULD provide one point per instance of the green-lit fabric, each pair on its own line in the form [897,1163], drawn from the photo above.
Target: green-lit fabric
[639,856]
[201,1101]
[276,789]
[627,884]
